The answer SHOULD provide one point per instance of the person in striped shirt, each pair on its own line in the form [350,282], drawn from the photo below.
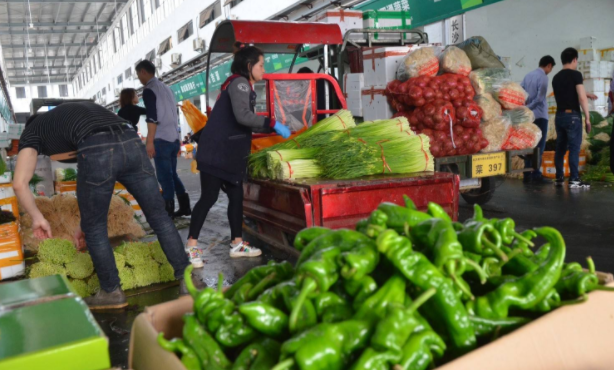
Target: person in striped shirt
[106,149]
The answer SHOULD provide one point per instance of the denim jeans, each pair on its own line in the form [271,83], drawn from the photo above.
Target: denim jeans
[103,159]
[166,168]
[568,137]
[542,123]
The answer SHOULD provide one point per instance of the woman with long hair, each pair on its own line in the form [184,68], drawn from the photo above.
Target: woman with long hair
[224,146]
[129,110]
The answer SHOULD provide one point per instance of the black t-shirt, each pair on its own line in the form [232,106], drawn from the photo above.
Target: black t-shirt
[133,114]
[564,87]
[61,129]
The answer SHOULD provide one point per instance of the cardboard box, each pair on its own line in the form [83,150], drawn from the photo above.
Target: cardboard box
[380,64]
[596,69]
[588,42]
[569,338]
[595,85]
[607,54]
[548,168]
[589,55]
[346,19]
[354,102]
[353,82]
[375,104]
[602,100]
[389,20]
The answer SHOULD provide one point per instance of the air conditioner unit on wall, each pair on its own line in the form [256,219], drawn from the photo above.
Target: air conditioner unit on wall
[175,60]
[117,91]
[198,44]
[158,63]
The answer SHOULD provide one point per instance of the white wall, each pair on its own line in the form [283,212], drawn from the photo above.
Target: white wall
[23,105]
[168,18]
[526,30]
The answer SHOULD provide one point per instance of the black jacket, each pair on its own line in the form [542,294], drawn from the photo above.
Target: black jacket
[133,114]
[225,142]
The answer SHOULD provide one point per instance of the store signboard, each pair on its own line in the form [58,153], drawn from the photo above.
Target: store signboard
[189,88]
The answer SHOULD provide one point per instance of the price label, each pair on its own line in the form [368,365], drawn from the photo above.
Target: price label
[490,164]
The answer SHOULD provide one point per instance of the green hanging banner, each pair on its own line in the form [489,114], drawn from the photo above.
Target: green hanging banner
[425,12]
[189,88]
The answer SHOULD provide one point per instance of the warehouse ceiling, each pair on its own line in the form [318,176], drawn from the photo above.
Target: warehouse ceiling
[46,40]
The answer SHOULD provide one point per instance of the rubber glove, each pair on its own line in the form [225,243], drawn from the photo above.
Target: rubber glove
[281,130]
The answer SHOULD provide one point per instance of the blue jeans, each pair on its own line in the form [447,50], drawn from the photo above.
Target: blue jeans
[542,123]
[103,159]
[568,137]
[166,168]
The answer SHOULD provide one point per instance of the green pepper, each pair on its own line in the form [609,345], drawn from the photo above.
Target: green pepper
[306,236]
[444,305]
[315,275]
[526,291]
[438,239]
[327,300]
[478,214]
[481,237]
[550,302]
[359,261]
[392,332]
[362,225]
[189,359]
[409,204]
[371,359]
[391,293]
[284,296]
[398,218]
[577,283]
[437,211]
[542,253]
[206,348]
[325,346]
[494,327]
[421,350]
[234,331]
[343,239]
[493,266]
[263,354]
[265,318]
[526,250]
[242,295]
[360,289]
[260,278]
[507,229]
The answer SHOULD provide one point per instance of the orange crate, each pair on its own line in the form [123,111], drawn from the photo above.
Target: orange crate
[549,170]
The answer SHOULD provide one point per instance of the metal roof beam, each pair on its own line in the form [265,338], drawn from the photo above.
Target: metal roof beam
[37,59]
[54,24]
[33,46]
[24,77]
[45,82]
[46,32]
[67,1]
[44,69]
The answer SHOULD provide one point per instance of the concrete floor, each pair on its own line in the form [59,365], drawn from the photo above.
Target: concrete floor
[585,219]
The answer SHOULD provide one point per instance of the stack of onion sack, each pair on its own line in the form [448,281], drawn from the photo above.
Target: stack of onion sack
[443,109]
[407,290]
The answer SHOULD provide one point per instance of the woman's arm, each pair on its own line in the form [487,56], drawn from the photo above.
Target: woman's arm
[239,91]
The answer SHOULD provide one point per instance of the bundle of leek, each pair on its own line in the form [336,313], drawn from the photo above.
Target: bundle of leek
[367,130]
[299,169]
[276,157]
[352,158]
[342,120]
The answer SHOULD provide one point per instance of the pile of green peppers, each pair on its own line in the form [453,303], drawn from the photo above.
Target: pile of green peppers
[406,290]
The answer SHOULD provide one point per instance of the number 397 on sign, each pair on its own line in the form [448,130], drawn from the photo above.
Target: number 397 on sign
[485,165]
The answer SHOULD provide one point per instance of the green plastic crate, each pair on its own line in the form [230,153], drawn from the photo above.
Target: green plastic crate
[32,290]
[56,335]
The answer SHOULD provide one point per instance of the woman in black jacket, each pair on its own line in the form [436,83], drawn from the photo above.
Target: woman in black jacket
[129,110]
[225,144]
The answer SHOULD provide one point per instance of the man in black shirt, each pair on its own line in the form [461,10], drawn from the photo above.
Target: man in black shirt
[570,95]
[107,150]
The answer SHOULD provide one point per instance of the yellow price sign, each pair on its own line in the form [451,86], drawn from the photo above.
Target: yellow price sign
[490,164]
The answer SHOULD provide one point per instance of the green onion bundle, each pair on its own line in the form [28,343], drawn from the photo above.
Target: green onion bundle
[375,130]
[342,120]
[276,157]
[299,169]
[352,158]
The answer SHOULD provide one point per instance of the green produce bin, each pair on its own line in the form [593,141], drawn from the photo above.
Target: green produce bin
[43,325]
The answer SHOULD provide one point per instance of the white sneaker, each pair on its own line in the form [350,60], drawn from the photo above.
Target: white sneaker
[243,249]
[194,254]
